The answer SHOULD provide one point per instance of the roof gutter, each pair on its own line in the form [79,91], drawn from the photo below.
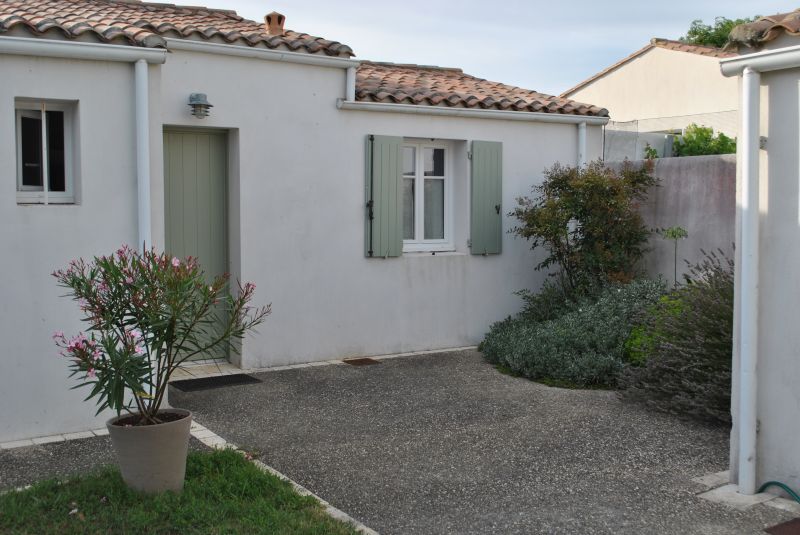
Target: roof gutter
[261,53]
[421,109]
[51,48]
[769,60]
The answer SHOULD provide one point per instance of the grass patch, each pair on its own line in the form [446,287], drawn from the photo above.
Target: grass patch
[224,493]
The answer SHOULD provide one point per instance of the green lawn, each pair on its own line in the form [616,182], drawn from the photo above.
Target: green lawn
[224,493]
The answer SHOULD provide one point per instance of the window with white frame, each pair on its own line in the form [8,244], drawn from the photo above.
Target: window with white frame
[427,197]
[44,142]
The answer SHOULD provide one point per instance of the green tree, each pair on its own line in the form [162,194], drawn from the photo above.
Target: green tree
[713,34]
[701,140]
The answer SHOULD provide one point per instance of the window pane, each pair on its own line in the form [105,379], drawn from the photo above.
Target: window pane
[408,208]
[434,162]
[434,209]
[31,138]
[409,160]
[55,151]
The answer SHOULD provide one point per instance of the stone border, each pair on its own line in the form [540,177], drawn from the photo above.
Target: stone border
[721,490]
[213,440]
[213,368]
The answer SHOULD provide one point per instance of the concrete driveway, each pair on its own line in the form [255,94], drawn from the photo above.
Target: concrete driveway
[446,444]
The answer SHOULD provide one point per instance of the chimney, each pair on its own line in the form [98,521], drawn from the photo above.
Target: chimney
[273,23]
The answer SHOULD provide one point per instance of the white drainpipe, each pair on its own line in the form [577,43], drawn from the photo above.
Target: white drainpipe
[748,355]
[142,153]
[581,144]
[350,89]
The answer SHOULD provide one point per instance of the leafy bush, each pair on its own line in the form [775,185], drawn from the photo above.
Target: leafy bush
[146,314]
[587,219]
[700,140]
[644,337]
[582,344]
[688,368]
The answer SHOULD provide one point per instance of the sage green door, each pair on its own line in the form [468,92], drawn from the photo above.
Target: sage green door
[196,193]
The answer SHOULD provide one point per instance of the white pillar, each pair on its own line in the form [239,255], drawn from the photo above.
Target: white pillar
[142,152]
[748,353]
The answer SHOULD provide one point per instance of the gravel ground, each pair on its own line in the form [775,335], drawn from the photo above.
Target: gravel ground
[23,466]
[446,444]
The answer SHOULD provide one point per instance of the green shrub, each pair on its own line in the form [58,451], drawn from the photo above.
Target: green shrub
[582,345]
[700,140]
[644,337]
[587,219]
[688,369]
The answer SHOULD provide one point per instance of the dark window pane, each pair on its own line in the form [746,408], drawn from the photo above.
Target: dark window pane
[434,162]
[31,138]
[408,208]
[55,151]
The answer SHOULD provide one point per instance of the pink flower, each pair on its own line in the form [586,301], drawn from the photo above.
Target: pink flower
[129,280]
[176,262]
[96,354]
[58,335]
[91,373]
[136,334]
[139,350]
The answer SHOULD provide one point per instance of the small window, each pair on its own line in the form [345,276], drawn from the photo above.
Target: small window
[44,153]
[426,197]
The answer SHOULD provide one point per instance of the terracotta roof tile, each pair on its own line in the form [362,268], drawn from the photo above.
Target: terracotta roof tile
[755,34]
[440,86]
[656,42]
[147,24]
[702,50]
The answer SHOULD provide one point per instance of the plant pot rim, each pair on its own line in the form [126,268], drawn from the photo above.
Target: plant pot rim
[112,422]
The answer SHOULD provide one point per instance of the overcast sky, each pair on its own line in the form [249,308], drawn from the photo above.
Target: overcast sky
[545,46]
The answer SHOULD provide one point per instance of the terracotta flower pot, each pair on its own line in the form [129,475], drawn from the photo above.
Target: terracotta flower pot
[152,458]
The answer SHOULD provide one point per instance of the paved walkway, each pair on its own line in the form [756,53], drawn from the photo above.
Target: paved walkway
[445,444]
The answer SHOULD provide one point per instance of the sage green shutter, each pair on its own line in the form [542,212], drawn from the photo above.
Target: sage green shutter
[486,223]
[384,211]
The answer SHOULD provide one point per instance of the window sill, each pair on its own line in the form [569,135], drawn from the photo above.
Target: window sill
[434,253]
[39,201]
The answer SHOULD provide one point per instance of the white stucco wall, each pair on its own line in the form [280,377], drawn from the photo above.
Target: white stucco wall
[35,240]
[297,194]
[301,181]
[778,367]
[665,84]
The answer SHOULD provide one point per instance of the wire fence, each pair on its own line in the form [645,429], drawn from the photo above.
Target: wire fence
[629,139]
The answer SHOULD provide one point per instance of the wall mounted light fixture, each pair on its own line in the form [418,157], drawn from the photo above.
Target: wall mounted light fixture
[200,105]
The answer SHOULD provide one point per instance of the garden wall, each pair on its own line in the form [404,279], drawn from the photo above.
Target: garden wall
[697,193]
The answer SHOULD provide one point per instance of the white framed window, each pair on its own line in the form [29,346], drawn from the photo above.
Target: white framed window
[45,158]
[427,196]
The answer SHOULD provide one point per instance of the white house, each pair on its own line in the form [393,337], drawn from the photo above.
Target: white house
[661,89]
[766,360]
[276,185]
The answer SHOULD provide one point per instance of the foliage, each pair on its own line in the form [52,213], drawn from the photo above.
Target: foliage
[587,219]
[700,140]
[147,313]
[688,369]
[551,302]
[643,338]
[224,493]
[580,345]
[713,35]
[650,153]
[674,234]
